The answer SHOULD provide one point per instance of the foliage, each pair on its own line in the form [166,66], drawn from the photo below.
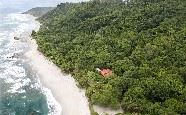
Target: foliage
[142,41]
[39,11]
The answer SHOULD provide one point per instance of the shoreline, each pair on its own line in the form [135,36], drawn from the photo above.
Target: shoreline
[63,87]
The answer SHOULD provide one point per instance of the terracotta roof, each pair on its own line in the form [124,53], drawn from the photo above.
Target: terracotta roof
[106,72]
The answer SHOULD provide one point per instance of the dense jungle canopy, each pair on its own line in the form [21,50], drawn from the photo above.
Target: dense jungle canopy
[142,41]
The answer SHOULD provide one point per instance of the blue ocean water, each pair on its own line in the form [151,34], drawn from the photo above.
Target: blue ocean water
[20,90]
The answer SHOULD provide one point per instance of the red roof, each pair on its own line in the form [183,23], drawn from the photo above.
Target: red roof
[106,72]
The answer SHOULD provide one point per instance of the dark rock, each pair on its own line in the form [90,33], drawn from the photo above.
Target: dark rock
[16,38]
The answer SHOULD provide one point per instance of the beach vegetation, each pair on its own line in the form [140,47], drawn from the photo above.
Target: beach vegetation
[141,41]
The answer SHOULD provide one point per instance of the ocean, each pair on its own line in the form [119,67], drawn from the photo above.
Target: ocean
[21,92]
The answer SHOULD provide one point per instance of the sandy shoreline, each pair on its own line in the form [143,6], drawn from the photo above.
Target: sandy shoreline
[63,87]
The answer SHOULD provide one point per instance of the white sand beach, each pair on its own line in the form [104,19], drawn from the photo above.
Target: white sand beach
[63,87]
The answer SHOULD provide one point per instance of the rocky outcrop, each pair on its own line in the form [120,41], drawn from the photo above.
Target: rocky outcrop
[16,38]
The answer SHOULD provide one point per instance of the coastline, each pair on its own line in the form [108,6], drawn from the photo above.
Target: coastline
[63,87]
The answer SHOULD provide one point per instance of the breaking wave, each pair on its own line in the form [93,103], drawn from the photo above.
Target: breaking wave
[21,92]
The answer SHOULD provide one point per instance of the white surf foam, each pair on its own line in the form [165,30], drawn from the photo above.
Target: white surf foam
[53,105]
[12,73]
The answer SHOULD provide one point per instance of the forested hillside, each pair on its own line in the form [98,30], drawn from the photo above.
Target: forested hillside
[142,41]
[39,11]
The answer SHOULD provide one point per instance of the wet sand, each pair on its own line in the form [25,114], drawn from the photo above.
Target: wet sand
[63,87]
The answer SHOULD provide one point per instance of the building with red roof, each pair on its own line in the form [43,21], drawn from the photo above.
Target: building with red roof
[105,72]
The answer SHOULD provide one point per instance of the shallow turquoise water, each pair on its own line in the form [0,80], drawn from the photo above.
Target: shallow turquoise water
[20,90]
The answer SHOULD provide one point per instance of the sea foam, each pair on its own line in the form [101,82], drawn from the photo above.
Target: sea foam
[11,71]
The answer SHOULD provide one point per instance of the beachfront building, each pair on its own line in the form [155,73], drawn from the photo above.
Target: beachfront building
[105,72]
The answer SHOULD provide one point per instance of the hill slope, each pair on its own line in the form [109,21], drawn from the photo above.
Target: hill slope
[142,41]
[39,11]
